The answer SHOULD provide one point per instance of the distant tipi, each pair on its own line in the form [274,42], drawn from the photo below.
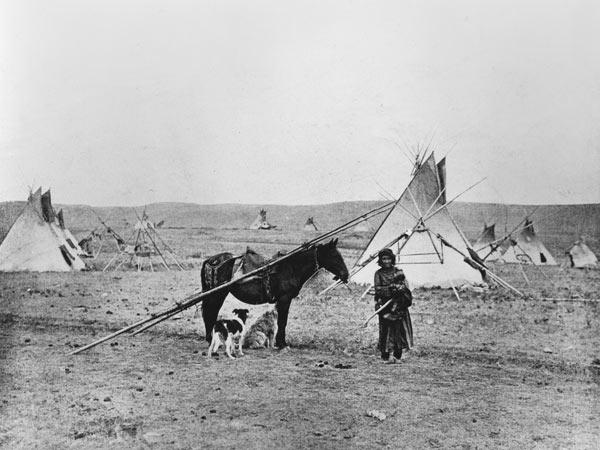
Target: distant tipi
[424,256]
[363,227]
[261,223]
[486,245]
[581,256]
[527,248]
[310,225]
[36,242]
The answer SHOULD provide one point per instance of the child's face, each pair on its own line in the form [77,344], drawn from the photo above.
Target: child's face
[386,262]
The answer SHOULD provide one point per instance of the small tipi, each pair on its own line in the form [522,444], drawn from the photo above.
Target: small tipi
[581,256]
[261,223]
[35,241]
[363,227]
[486,245]
[527,249]
[425,259]
[310,225]
[148,245]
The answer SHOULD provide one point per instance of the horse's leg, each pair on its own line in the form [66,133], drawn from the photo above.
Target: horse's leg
[210,311]
[283,308]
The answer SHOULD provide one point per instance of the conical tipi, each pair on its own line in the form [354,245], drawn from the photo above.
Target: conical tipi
[486,245]
[148,244]
[425,260]
[363,227]
[310,225]
[527,249]
[36,243]
[581,256]
[261,223]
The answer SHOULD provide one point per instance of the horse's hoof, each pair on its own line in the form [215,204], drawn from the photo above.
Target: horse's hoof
[282,347]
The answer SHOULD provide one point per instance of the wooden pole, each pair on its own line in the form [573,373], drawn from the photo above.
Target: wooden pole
[507,235]
[524,275]
[364,325]
[493,275]
[366,291]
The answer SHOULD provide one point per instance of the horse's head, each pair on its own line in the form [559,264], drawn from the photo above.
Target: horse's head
[329,257]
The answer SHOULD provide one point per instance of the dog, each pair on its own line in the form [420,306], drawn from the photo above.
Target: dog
[262,332]
[227,331]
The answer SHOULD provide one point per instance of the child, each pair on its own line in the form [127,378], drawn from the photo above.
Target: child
[395,327]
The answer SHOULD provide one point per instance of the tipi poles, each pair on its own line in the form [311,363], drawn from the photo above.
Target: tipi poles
[110,262]
[507,235]
[492,275]
[460,233]
[453,288]
[144,230]
[524,275]
[365,292]
[169,249]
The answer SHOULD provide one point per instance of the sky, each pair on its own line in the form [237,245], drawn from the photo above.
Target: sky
[132,102]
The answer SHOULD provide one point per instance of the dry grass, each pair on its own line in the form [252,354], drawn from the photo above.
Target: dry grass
[491,370]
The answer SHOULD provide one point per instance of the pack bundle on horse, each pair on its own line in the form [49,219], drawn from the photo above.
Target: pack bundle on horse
[278,284]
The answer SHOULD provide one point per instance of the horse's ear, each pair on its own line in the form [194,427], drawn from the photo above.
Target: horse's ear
[334,242]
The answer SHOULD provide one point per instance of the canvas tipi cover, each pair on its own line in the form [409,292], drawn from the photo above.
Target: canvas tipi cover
[528,249]
[483,244]
[580,255]
[33,244]
[420,257]
[261,223]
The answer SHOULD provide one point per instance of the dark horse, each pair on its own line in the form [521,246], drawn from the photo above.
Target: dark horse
[278,284]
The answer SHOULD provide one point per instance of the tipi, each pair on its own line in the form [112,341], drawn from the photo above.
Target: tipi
[363,227]
[310,225]
[148,244]
[261,223]
[486,245]
[36,243]
[527,249]
[425,259]
[581,256]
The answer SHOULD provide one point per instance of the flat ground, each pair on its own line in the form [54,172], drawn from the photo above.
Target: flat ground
[490,370]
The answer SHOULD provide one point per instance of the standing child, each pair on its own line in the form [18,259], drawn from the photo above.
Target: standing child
[395,327]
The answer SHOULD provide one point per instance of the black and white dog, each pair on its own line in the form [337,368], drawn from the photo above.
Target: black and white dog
[228,331]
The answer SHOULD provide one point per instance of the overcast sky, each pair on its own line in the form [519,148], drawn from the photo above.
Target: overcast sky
[132,102]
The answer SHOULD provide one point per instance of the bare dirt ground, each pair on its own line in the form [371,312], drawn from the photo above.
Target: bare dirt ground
[490,370]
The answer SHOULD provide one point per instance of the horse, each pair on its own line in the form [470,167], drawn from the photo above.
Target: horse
[278,284]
